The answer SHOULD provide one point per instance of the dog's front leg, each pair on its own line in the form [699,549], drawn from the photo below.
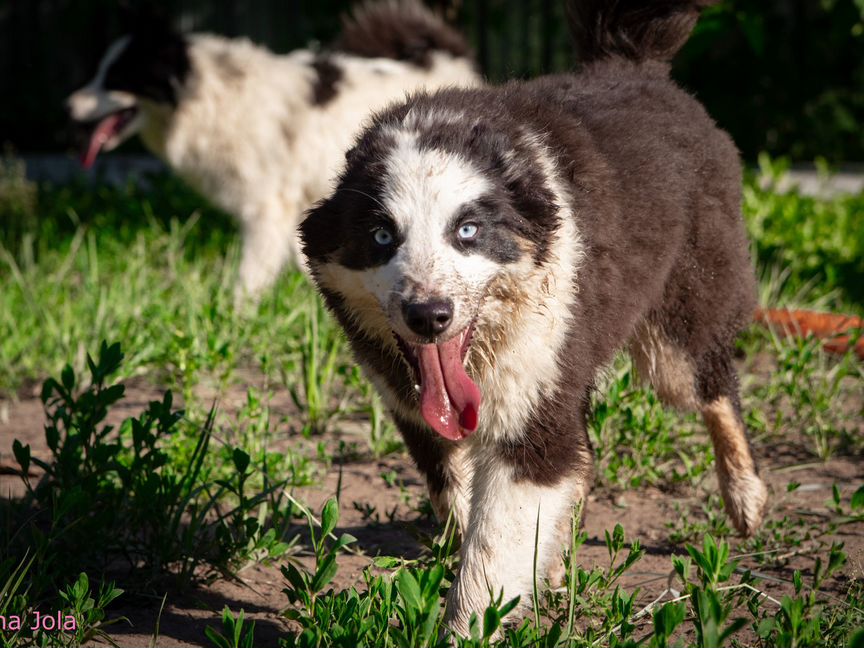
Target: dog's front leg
[269,243]
[447,467]
[454,495]
[511,516]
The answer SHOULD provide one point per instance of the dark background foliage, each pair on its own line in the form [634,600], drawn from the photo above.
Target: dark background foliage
[783,76]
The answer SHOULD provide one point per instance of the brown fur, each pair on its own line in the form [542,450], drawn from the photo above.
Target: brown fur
[744,494]
[636,29]
[651,187]
[403,30]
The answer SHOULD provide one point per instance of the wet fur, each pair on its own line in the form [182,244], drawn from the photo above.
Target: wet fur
[616,225]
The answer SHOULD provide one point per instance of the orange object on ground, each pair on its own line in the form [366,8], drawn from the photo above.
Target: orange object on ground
[831,327]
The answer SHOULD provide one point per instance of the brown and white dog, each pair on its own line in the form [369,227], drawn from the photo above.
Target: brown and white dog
[487,251]
[260,135]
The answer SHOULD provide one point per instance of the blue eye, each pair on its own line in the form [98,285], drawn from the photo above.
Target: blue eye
[382,236]
[467,231]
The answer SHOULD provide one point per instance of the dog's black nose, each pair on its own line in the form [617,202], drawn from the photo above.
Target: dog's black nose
[428,318]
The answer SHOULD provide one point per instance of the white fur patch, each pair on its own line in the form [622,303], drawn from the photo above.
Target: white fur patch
[498,545]
[423,191]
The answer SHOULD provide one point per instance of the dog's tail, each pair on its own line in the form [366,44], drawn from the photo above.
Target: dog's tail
[637,30]
[404,30]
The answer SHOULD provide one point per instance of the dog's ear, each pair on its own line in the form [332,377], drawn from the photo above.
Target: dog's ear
[155,61]
[323,227]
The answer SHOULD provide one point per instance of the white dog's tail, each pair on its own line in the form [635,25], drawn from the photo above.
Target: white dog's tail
[637,30]
[404,30]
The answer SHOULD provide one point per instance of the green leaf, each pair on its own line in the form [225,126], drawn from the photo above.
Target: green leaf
[48,389]
[766,627]
[52,437]
[22,456]
[428,627]
[668,618]
[509,606]
[298,580]
[554,635]
[430,582]
[329,517]
[615,541]
[387,562]
[836,559]
[67,377]
[110,595]
[732,628]
[858,499]
[682,566]
[409,590]
[241,460]
[216,638]
[491,621]
[474,627]
[344,540]
[110,358]
[113,394]
[326,572]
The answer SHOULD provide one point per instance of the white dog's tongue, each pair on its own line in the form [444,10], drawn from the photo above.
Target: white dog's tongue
[449,399]
[101,134]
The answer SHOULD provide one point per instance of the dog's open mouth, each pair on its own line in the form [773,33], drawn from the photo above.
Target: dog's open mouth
[449,399]
[103,131]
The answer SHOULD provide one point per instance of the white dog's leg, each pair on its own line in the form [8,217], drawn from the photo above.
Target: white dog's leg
[499,543]
[269,244]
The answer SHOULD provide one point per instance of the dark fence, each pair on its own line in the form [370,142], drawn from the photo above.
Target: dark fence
[786,76]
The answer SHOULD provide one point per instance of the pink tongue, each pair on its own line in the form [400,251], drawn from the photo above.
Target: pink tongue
[449,399]
[101,134]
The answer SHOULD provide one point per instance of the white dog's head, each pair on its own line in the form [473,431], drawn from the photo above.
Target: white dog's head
[436,220]
[139,72]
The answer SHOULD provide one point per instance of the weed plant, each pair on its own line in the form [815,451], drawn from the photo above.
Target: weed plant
[114,501]
[710,601]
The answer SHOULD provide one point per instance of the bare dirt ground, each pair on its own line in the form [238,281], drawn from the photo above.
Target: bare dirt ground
[644,514]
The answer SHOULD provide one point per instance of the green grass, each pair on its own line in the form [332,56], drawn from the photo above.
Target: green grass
[710,601]
[813,248]
[159,508]
[162,287]
[150,268]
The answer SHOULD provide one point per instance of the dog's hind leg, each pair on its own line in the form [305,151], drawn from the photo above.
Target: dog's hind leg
[708,385]
[743,491]
[666,366]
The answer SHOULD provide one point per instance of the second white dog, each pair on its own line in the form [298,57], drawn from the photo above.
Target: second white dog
[262,136]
